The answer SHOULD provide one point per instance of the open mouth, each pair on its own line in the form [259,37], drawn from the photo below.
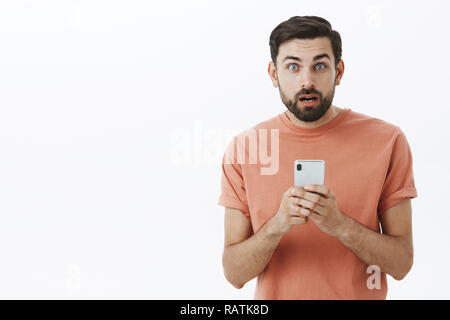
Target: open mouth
[309,100]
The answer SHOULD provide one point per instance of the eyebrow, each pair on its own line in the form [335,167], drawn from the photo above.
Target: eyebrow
[318,57]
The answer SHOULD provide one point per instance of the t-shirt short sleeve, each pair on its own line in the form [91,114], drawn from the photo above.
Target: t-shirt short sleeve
[399,182]
[233,193]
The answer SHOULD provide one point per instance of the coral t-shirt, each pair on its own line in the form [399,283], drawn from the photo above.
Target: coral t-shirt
[368,165]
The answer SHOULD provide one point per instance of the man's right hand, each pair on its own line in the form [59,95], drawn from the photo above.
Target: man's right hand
[246,254]
[288,214]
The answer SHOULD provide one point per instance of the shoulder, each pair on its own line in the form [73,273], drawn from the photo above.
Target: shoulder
[374,126]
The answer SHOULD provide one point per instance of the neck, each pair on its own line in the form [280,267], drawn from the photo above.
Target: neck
[331,113]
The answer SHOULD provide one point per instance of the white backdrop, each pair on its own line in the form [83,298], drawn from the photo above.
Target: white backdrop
[114,116]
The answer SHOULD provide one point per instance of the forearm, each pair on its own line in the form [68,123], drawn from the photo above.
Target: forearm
[247,259]
[392,254]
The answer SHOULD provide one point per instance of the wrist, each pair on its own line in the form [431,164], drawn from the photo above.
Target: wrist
[346,230]
[273,227]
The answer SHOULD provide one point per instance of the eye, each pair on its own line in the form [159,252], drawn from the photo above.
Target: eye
[321,64]
[292,65]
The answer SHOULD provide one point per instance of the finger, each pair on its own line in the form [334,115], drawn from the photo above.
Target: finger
[294,211]
[313,206]
[311,196]
[317,218]
[299,220]
[321,189]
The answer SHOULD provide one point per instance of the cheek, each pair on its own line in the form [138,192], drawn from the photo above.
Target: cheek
[326,80]
[288,84]
[326,86]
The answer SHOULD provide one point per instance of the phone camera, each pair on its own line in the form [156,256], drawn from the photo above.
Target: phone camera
[299,167]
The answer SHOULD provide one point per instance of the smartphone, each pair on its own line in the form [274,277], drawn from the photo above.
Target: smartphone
[309,172]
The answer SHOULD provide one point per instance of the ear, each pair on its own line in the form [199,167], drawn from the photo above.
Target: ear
[339,71]
[273,74]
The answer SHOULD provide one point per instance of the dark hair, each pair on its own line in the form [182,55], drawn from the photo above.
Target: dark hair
[305,27]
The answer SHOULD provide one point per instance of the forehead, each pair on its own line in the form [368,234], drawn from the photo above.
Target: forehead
[305,49]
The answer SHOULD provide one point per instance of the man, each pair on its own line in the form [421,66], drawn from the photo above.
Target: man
[324,242]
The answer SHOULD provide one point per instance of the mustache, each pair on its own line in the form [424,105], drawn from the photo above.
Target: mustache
[309,91]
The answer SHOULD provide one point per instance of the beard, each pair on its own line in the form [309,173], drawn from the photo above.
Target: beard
[308,114]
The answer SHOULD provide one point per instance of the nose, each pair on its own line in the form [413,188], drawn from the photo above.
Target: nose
[306,80]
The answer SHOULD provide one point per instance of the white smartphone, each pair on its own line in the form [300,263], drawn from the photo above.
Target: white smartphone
[309,172]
